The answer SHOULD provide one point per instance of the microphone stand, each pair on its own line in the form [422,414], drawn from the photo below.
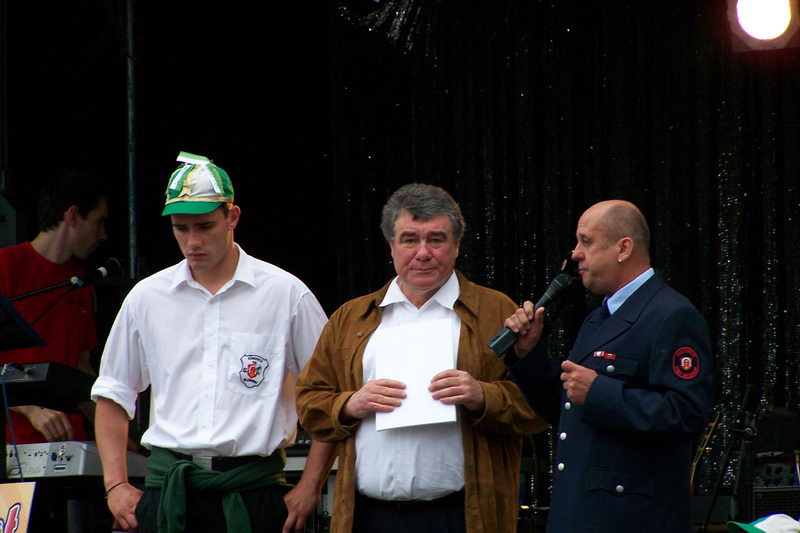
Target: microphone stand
[109,268]
[40,291]
[72,286]
[743,433]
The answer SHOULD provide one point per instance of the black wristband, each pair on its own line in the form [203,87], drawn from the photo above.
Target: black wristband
[114,487]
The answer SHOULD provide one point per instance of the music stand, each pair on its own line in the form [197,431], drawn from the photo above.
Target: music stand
[15,332]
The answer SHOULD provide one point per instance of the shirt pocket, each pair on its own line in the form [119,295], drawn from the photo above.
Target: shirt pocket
[255,364]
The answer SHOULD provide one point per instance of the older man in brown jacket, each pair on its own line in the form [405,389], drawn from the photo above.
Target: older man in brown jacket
[450,477]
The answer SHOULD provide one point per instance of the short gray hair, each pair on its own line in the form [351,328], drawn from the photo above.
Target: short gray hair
[423,202]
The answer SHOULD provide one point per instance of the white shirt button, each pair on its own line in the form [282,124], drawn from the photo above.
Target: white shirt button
[567,406]
[562,436]
[620,489]
[560,467]
[610,369]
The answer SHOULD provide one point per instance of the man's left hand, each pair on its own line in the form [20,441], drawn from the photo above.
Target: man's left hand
[577,380]
[300,502]
[456,387]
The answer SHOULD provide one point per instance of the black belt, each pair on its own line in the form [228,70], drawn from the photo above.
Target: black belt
[454,498]
[220,464]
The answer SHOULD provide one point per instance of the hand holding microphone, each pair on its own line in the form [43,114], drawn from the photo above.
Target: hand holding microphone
[523,329]
[528,320]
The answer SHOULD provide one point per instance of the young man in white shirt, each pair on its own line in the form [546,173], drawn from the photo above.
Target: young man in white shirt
[219,338]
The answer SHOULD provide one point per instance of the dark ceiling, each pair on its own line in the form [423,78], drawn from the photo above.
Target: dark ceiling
[245,86]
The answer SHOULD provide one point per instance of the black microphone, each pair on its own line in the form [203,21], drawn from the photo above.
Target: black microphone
[506,338]
[111,267]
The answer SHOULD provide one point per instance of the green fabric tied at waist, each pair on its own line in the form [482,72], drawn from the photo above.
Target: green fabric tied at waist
[174,476]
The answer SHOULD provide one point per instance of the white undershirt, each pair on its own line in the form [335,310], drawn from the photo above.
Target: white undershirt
[419,462]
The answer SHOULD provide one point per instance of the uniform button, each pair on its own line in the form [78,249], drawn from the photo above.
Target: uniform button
[560,467]
[610,369]
[359,334]
[562,436]
[567,406]
[620,489]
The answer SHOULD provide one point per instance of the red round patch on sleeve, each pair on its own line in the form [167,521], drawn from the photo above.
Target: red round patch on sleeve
[685,363]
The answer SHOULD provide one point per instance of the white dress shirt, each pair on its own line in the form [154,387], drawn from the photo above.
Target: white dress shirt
[222,367]
[418,462]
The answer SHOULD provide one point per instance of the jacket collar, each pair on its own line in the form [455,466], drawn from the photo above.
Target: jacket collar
[467,298]
[592,337]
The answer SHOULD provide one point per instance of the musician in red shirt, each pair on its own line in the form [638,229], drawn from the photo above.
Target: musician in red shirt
[72,215]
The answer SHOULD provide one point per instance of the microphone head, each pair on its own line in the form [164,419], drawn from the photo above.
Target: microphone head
[557,285]
[112,267]
[562,281]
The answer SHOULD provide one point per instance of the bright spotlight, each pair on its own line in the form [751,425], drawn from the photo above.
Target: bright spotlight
[763,24]
[764,19]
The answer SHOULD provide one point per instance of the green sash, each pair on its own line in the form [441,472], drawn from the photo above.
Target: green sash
[174,476]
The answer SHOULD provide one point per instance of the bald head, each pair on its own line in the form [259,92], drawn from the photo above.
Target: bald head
[618,219]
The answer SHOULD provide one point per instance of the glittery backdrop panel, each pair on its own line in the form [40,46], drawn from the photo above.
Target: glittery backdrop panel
[529,112]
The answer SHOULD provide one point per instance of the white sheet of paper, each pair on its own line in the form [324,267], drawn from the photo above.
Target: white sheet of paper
[414,353]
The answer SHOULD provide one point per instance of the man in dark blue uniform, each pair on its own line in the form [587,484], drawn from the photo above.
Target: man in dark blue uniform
[633,394]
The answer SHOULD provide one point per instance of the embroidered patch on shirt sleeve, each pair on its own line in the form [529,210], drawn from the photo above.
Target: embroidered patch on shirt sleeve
[685,363]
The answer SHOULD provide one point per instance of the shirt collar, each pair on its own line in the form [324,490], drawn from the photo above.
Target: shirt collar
[244,273]
[446,296]
[616,300]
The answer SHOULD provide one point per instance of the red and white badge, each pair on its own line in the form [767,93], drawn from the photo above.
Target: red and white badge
[253,368]
[605,355]
[685,363]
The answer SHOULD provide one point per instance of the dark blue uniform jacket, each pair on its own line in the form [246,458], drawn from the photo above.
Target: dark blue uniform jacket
[623,459]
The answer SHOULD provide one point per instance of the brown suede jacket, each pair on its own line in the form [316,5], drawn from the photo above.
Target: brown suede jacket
[492,439]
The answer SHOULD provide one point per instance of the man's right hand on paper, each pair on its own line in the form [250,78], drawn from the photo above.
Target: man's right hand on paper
[375,396]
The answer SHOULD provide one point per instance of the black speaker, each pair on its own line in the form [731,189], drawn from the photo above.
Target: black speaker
[776,476]
[772,500]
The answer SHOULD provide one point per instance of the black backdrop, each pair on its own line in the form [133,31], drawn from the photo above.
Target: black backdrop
[526,111]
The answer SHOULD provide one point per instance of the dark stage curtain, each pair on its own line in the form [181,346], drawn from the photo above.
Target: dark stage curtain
[530,111]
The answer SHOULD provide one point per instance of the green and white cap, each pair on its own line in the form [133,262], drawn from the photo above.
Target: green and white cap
[776,523]
[197,187]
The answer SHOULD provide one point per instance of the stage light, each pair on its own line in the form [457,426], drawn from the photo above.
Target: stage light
[763,24]
[764,19]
